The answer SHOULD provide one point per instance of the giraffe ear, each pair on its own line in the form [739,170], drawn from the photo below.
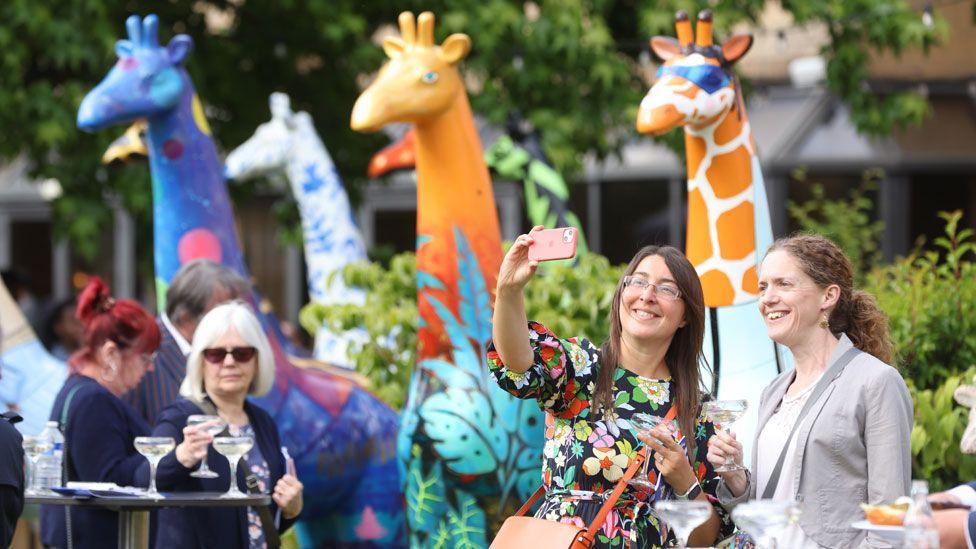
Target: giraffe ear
[124,48]
[393,46]
[734,48]
[665,47]
[179,47]
[455,48]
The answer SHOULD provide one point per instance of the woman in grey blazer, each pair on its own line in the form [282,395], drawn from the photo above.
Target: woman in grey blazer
[852,445]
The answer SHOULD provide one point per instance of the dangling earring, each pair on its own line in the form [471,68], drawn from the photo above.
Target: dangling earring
[824,323]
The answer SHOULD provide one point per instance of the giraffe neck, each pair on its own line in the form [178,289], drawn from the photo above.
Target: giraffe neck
[722,172]
[454,193]
[191,207]
[331,237]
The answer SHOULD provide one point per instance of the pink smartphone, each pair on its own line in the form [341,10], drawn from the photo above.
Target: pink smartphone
[552,244]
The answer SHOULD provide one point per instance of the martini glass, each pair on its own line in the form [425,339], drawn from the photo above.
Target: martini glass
[763,519]
[154,448]
[725,413]
[233,448]
[645,423]
[34,448]
[683,516]
[215,427]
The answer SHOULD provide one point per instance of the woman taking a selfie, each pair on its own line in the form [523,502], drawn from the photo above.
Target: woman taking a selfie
[649,364]
[840,423]
[99,429]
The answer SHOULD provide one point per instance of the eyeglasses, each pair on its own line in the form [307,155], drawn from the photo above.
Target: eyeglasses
[665,290]
[707,77]
[217,355]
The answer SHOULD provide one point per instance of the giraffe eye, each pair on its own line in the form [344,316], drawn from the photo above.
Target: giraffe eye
[429,77]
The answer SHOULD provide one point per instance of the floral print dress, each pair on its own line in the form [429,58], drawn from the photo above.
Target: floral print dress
[585,455]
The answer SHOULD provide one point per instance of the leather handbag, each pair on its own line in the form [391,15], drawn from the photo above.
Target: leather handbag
[520,531]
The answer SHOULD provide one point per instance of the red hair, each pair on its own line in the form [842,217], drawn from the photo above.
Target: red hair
[123,321]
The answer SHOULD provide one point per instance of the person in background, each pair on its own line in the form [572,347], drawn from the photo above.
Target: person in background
[197,287]
[853,446]
[230,359]
[11,477]
[120,341]
[62,331]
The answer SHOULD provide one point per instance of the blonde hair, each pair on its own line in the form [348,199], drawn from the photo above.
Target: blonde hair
[212,327]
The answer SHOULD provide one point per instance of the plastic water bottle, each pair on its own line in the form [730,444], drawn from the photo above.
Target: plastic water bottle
[920,530]
[49,469]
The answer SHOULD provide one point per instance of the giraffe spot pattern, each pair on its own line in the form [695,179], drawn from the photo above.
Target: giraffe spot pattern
[718,288]
[173,148]
[199,117]
[699,247]
[736,232]
[750,281]
[165,87]
[729,129]
[128,63]
[695,149]
[199,243]
[730,173]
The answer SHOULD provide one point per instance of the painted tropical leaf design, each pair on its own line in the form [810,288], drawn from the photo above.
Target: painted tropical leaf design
[465,432]
[426,501]
[464,355]
[475,302]
[466,524]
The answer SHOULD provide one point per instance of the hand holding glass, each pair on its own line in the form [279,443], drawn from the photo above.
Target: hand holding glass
[154,449]
[645,423]
[725,413]
[683,516]
[234,449]
[215,427]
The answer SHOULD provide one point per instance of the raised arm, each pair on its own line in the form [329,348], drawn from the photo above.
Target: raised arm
[509,331]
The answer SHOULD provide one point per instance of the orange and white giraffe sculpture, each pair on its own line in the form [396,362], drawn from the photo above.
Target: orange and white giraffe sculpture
[728,215]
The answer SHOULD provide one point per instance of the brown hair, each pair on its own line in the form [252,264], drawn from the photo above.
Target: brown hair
[856,313]
[684,356]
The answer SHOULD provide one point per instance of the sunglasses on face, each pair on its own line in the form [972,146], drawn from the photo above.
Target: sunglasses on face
[707,77]
[217,355]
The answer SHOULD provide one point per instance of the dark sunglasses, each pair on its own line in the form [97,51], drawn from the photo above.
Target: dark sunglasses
[707,77]
[240,354]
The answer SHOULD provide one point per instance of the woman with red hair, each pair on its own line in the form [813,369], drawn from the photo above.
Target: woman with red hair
[119,343]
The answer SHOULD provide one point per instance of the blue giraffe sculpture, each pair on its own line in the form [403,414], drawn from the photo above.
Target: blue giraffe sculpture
[341,436]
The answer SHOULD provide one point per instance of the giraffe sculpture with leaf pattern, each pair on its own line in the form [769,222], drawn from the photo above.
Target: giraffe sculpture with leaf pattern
[469,450]
[728,214]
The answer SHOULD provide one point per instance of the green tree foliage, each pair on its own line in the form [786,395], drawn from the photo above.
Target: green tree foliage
[847,221]
[939,425]
[569,66]
[573,300]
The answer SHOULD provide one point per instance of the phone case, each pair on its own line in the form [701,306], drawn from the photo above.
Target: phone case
[552,244]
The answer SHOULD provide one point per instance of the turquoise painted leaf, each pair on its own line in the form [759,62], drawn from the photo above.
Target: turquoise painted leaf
[475,302]
[529,475]
[427,280]
[466,524]
[464,431]
[464,355]
[426,500]
[449,374]
[423,239]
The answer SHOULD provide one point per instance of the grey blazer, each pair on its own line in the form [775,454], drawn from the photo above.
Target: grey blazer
[855,449]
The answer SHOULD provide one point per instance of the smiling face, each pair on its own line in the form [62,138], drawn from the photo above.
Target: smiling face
[646,314]
[229,377]
[790,301]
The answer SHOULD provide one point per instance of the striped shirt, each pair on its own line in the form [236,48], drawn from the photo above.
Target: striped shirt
[161,387]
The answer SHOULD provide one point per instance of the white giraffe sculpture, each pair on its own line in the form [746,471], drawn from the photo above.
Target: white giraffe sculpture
[966,396]
[289,142]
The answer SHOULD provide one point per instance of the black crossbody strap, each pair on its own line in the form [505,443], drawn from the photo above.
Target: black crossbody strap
[271,536]
[822,385]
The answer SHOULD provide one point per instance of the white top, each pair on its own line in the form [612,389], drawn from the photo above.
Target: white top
[771,441]
[180,340]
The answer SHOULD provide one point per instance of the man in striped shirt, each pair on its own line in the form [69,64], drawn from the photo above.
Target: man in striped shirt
[197,287]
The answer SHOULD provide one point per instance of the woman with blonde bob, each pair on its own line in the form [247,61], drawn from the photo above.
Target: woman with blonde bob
[230,359]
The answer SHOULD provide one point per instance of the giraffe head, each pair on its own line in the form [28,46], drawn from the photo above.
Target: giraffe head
[146,81]
[694,85]
[270,148]
[419,82]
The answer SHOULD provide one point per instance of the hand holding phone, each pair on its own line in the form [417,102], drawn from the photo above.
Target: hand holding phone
[553,244]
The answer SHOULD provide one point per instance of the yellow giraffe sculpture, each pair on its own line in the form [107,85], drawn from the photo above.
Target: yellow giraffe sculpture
[728,215]
[470,451]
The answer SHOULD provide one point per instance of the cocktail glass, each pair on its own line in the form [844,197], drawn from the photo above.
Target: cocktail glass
[233,448]
[215,427]
[683,516]
[645,423]
[154,449]
[763,519]
[34,448]
[725,413]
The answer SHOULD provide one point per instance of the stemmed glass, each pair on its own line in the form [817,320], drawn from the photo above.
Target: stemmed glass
[216,427]
[34,448]
[233,448]
[154,449]
[645,423]
[763,519]
[725,413]
[683,516]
